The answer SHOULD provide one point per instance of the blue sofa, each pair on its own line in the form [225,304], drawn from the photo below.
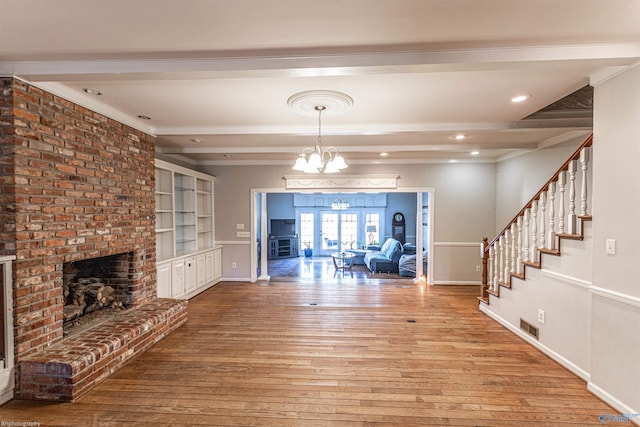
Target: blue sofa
[386,259]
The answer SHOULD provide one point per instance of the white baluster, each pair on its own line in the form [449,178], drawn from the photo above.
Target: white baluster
[572,227]
[551,234]
[490,269]
[507,257]
[513,247]
[496,264]
[543,219]
[519,245]
[501,255]
[562,177]
[525,238]
[533,254]
[584,160]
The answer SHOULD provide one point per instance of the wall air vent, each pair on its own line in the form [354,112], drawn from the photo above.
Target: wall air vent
[529,328]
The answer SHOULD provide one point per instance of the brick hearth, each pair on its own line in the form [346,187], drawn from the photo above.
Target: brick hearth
[69,369]
[74,185]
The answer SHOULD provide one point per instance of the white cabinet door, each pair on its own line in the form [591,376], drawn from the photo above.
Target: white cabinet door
[201,270]
[210,267]
[164,280]
[178,278]
[190,273]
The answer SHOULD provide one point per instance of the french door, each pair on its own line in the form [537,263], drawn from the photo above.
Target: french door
[338,231]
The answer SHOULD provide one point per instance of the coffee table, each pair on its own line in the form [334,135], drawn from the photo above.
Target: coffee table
[343,261]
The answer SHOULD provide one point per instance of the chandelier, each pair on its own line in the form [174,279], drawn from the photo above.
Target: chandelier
[339,204]
[318,158]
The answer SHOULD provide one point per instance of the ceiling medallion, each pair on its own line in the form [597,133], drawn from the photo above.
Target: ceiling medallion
[334,102]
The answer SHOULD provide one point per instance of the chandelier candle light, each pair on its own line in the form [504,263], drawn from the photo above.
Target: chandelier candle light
[318,159]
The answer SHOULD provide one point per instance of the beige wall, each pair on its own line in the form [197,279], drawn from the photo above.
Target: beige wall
[464,197]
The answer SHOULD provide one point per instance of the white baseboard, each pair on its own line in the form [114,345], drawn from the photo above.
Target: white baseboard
[458,282]
[235,279]
[584,375]
[632,414]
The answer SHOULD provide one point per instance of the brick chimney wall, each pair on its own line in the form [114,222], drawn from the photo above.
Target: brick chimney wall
[74,184]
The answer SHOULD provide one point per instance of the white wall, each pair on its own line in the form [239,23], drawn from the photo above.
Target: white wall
[464,203]
[561,290]
[615,358]
[591,299]
[519,179]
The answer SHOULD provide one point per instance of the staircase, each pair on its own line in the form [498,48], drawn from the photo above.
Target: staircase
[549,218]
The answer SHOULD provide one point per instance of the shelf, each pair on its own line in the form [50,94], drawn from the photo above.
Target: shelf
[184,210]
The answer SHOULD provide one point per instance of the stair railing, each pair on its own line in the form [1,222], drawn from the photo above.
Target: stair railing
[534,230]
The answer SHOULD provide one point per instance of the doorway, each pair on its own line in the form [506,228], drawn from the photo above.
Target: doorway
[322,230]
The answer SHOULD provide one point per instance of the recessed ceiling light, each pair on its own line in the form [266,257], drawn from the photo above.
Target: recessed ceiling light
[92,91]
[520,98]
[459,137]
[144,117]
[384,154]
[475,153]
[197,140]
[453,161]
[228,156]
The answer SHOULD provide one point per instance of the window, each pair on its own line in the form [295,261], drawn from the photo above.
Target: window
[372,228]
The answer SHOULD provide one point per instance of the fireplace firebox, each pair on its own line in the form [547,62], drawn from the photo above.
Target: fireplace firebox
[95,289]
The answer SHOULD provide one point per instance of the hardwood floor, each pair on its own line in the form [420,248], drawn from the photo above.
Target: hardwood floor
[332,354]
[320,267]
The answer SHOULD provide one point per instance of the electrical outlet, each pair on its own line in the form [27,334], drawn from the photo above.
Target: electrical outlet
[234,265]
[541,316]
[478,268]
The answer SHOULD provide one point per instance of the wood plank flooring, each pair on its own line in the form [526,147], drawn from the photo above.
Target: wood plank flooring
[334,353]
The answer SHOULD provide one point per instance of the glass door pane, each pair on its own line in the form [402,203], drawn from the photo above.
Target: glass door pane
[307,230]
[348,231]
[329,230]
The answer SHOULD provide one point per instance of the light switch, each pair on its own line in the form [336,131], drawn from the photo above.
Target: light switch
[239,226]
[610,247]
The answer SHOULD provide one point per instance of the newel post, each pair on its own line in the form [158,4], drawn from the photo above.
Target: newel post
[484,290]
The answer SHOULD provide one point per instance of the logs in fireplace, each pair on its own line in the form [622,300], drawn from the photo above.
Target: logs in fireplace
[88,295]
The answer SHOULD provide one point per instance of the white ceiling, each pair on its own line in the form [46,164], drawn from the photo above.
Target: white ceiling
[419,71]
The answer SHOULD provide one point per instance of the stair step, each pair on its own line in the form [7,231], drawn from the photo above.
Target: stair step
[494,293]
[571,236]
[505,285]
[555,252]
[533,264]
[520,276]
[483,300]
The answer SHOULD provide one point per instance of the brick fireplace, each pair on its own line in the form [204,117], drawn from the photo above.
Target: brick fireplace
[74,185]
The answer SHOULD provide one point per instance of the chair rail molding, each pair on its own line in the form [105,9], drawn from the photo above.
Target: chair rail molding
[364,182]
